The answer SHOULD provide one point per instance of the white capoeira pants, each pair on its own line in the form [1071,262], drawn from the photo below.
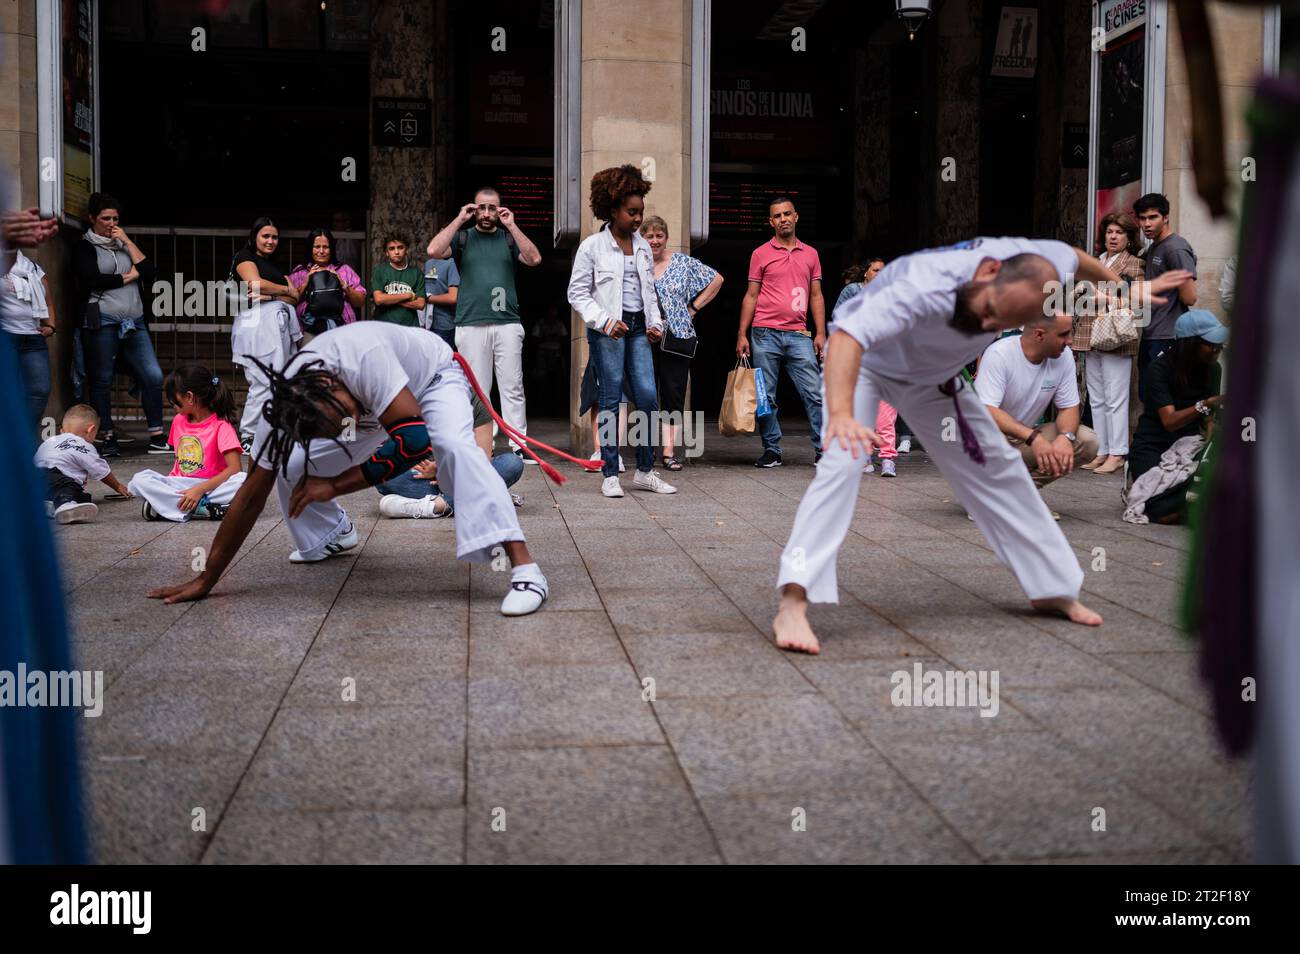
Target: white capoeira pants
[999,495]
[164,493]
[485,514]
[270,332]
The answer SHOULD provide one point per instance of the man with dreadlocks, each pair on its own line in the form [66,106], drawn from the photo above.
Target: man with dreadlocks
[359,405]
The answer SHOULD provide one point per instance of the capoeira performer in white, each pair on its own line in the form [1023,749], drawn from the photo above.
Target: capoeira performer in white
[904,340]
[359,405]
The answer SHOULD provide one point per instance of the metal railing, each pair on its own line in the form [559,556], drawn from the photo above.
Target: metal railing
[204,256]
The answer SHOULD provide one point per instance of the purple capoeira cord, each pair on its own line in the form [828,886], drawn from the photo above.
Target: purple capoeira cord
[969,443]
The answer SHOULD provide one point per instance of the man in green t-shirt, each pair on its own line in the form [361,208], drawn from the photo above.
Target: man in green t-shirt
[396,285]
[488,331]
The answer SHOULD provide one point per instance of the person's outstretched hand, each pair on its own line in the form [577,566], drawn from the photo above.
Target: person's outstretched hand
[195,589]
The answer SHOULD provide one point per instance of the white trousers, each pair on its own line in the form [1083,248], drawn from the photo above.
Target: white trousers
[485,514]
[164,493]
[1108,378]
[1000,494]
[498,348]
[268,331]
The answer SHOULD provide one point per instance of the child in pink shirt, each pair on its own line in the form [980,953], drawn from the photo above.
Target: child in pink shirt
[207,474]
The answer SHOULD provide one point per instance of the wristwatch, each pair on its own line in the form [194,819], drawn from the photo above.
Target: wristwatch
[1070,436]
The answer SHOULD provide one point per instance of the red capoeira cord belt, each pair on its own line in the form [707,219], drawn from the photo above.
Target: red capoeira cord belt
[523,440]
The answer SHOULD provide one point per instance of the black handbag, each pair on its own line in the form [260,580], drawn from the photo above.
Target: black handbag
[685,347]
[324,294]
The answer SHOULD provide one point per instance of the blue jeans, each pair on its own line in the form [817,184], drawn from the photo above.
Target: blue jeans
[102,346]
[1148,351]
[618,360]
[34,364]
[774,350]
[507,465]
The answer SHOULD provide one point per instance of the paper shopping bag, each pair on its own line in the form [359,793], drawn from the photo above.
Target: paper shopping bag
[740,401]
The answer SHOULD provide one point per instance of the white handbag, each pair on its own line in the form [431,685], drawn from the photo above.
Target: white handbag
[1113,330]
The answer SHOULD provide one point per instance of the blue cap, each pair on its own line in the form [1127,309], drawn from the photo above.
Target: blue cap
[1199,323]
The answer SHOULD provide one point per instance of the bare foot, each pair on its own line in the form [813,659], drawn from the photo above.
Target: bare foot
[792,629]
[1072,610]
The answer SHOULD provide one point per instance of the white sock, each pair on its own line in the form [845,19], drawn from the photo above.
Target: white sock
[528,571]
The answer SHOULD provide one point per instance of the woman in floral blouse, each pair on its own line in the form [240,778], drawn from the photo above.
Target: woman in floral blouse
[684,285]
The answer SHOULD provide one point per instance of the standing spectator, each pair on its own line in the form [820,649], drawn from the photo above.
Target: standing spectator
[858,277]
[326,303]
[1183,394]
[684,286]
[613,288]
[267,328]
[489,332]
[111,270]
[1228,286]
[1168,251]
[441,288]
[27,319]
[396,285]
[1108,372]
[785,282]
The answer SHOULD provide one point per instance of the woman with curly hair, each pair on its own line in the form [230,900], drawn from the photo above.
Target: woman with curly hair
[613,288]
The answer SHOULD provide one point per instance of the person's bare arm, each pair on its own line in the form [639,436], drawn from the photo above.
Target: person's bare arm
[747,306]
[840,374]
[440,244]
[319,489]
[48,323]
[243,513]
[1177,420]
[817,305]
[116,486]
[1067,419]
[528,254]
[415,304]
[1007,424]
[258,286]
[707,294]
[447,300]
[1187,292]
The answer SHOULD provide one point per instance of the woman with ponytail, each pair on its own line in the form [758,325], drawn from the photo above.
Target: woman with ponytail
[207,471]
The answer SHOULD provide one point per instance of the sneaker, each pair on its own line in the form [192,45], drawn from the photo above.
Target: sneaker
[888,469]
[769,459]
[147,511]
[216,511]
[158,445]
[425,508]
[869,467]
[905,446]
[73,512]
[344,541]
[652,482]
[517,499]
[1055,515]
[610,487]
[525,458]
[110,449]
[525,596]
[125,439]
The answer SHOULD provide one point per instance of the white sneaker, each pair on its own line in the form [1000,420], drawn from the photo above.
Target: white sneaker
[653,483]
[610,487]
[72,512]
[525,596]
[344,541]
[870,468]
[425,508]
[596,458]
[905,446]
[888,468]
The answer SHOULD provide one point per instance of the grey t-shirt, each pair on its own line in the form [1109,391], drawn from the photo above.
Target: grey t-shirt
[1173,253]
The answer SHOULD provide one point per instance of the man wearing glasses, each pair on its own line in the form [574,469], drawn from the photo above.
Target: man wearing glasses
[488,330]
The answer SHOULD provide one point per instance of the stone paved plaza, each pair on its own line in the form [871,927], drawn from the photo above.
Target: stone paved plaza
[462,717]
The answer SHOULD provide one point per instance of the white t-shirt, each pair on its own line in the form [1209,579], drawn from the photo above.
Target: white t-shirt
[631,285]
[1010,381]
[73,457]
[902,317]
[17,316]
[374,360]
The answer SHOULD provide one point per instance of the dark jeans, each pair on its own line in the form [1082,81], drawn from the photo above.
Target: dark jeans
[617,360]
[449,336]
[774,350]
[1148,351]
[409,484]
[34,364]
[102,347]
[62,489]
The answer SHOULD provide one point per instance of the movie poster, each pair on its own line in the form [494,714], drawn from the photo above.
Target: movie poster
[1015,53]
[1121,98]
[78,107]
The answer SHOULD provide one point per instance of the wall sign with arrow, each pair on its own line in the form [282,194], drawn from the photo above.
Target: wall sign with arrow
[402,122]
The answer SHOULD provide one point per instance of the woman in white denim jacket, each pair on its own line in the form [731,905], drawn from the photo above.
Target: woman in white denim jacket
[612,287]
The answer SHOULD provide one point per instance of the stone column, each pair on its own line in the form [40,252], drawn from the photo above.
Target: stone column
[871,149]
[956,121]
[636,83]
[1238,47]
[403,38]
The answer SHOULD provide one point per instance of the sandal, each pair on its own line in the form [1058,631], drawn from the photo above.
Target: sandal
[672,463]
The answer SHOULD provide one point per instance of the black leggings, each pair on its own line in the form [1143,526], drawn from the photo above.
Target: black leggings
[671,370]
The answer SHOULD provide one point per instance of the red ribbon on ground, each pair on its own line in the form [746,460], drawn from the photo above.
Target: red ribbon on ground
[523,440]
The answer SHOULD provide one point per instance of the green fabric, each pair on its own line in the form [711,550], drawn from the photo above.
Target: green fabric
[385,278]
[487,279]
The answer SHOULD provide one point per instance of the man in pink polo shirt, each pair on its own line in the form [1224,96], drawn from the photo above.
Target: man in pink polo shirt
[785,282]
